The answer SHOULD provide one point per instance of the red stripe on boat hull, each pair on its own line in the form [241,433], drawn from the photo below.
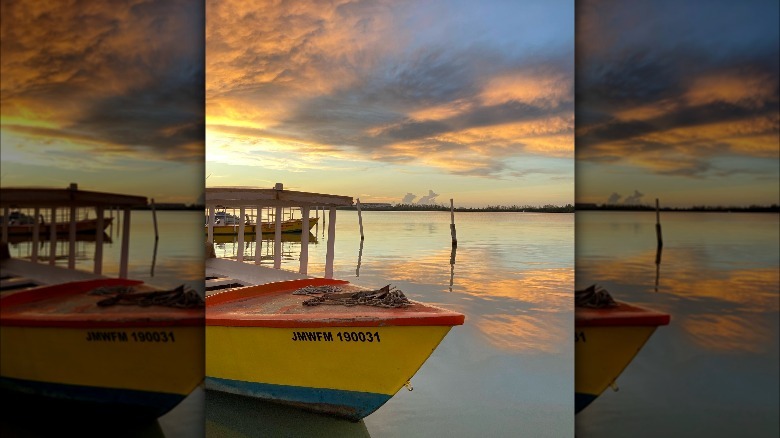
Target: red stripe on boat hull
[621,315]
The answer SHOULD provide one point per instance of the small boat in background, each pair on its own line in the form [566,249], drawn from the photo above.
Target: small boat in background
[268,341]
[82,226]
[287,226]
[608,335]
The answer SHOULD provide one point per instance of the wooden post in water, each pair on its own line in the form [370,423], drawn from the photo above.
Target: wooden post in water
[72,238]
[331,249]
[156,239]
[36,232]
[278,239]
[658,234]
[452,266]
[241,230]
[125,248]
[53,237]
[452,223]
[6,218]
[154,219]
[210,228]
[258,234]
[360,257]
[360,218]
[304,266]
[98,266]
[659,248]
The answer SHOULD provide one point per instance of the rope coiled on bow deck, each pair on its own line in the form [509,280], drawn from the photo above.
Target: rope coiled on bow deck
[180,297]
[389,297]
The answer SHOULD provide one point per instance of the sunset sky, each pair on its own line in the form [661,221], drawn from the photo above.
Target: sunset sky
[109,96]
[380,99]
[678,101]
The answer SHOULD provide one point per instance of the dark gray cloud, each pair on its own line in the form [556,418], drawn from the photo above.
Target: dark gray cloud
[682,62]
[374,115]
[128,73]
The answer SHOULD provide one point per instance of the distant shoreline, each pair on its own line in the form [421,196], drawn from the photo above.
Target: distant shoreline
[515,209]
[489,209]
[695,209]
[173,207]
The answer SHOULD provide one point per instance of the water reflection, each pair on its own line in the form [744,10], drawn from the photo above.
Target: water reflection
[452,265]
[713,371]
[175,257]
[360,258]
[154,257]
[525,332]
[229,415]
[29,417]
[287,249]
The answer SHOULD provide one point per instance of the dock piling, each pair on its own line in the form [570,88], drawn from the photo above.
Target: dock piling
[360,218]
[452,224]
[154,219]
[658,234]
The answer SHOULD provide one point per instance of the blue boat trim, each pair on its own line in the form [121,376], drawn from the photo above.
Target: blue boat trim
[353,405]
[582,400]
[124,402]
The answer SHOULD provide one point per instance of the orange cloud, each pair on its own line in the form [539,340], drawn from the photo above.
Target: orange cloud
[736,88]
[84,75]
[549,89]
[352,79]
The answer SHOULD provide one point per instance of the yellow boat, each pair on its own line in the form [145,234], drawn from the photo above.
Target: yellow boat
[606,340]
[62,343]
[288,226]
[263,342]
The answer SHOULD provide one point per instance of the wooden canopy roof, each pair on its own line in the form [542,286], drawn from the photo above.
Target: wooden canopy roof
[17,197]
[276,197]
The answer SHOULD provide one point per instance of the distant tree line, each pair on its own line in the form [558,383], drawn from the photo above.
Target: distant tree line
[774,208]
[549,208]
[172,206]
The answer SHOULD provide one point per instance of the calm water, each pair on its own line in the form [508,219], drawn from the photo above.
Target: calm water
[713,371]
[178,260]
[507,372]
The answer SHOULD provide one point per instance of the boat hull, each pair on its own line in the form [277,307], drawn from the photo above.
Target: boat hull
[57,343]
[318,368]
[104,403]
[82,226]
[107,366]
[261,341]
[290,226]
[606,340]
[601,354]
